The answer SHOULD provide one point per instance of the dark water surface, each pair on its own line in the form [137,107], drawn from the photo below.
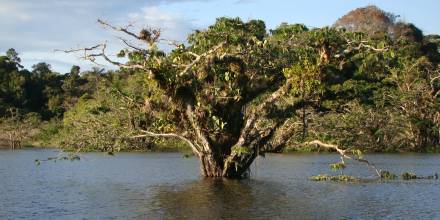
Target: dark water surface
[167,186]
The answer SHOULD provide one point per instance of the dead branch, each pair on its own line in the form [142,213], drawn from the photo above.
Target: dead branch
[171,42]
[363,44]
[124,30]
[201,56]
[169,135]
[343,154]
[130,45]
[150,36]
[99,50]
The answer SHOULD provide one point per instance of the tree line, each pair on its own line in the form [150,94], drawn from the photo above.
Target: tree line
[236,91]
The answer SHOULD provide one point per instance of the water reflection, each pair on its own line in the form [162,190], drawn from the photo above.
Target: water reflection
[220,199]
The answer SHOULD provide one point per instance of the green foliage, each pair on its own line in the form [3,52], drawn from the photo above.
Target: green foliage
[305,77]
[95,124]
[384,175]
[285,30]
[47,134]
[338,178]
[17,127]
[409,176]
[373,91]
[387,175]
[357,153]
[116,111]
[337,166]
[240,150]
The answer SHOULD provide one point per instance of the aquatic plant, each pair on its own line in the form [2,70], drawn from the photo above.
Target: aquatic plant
[337,178]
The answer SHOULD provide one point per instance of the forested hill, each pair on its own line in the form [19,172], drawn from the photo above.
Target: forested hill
[369,82]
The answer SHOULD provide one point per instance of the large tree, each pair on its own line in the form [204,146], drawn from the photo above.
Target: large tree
[224,92]
[374,21]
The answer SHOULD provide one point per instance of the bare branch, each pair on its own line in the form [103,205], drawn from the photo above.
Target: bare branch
[171,42]
[150,36]
[80,49]
[105,24]
[362,45]
[201,56]
[170,135]
[100,50]
[129,44]
[343,154]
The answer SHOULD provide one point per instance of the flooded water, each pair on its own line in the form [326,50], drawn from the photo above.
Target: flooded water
[168,186]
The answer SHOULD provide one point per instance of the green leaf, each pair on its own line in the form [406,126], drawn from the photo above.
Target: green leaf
[337,166]
[239,150]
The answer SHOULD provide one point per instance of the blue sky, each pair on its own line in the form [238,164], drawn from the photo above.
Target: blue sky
[35,28]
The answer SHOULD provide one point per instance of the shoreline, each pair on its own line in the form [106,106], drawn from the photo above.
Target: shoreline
[186,152]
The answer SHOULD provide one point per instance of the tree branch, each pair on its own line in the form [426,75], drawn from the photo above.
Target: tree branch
[130,45]
[150,36]
[197,129]
[343,154]
[250,122]
[89,55]
[124,30]
[170,135]
[171,42]
[363,45]
[199,57]
[281,134]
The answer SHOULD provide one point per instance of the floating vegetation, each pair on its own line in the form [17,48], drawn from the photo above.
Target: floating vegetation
[69,156]
[337,166]
[385,174]
[408,176]
[435,176]
[357,155]
[338,178]
[412,176]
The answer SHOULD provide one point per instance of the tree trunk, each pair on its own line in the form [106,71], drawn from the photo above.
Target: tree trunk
[211,166]
[304,123]
[233,166]
[238,166]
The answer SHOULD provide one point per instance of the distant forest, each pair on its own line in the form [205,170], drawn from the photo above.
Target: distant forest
[369,82]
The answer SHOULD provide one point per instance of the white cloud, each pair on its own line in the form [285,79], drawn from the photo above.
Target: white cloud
[11,12]
[36,28]
[173,26]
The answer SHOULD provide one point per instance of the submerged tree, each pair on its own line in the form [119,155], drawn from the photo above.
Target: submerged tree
[224,93]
